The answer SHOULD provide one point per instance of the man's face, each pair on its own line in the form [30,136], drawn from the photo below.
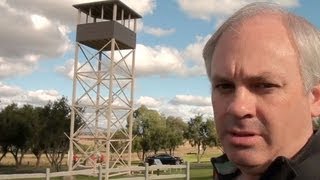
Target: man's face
[260,107]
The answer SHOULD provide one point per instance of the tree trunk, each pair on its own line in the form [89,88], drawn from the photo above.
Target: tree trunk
[198,153]
[55,158]
[203,151]
[3,155]
[38,160]
[21,157]
[143,154]
[38,155]
[140,156]
[15,155]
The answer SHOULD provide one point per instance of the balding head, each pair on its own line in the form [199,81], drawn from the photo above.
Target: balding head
[304,36]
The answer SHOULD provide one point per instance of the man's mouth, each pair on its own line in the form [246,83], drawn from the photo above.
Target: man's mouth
[243,133]
[243,138]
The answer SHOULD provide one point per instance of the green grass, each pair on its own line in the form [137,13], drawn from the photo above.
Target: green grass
[198,171]
[201,174]
[201,171]
[205,158]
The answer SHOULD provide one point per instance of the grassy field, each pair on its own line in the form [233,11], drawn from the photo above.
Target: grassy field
[201,171]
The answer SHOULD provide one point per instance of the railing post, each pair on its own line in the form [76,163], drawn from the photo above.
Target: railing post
[188,170]
[100,172]
[48,174]
[146,173]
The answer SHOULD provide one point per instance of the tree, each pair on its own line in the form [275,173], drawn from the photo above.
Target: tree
[39,129]
[201,134]
[210,137]
[16,130]
[158,138]
[175,128]
[28,114]
[56,117]
[147,130]
[3,137]
[37,140]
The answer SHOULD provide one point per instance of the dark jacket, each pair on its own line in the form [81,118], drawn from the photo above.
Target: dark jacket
[304,166]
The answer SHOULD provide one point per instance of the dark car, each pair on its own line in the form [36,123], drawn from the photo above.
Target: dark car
[164,158]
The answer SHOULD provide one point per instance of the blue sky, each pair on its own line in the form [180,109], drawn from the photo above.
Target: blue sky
[37,50]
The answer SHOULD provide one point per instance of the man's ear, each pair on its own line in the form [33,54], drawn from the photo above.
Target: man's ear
[315,101]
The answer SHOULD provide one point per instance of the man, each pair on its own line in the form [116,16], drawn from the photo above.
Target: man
[264,67]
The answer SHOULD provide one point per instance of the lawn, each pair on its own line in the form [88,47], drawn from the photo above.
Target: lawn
[202,171]
[199,171]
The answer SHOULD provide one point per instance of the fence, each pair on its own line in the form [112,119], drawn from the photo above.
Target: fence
[149,172]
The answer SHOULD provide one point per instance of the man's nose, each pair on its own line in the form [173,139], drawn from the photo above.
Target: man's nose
[242,104]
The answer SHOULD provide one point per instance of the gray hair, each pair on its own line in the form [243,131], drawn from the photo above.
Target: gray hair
[304,36]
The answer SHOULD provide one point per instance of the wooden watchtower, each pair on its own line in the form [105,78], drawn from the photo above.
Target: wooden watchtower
[103,86]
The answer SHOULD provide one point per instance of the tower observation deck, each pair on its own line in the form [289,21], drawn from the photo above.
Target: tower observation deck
[103,86]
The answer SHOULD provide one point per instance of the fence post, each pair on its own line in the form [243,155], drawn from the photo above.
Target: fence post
[100,172]
[188,170]
[48,174]
[146,173]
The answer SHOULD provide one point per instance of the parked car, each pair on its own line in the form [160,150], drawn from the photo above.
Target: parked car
[165,159]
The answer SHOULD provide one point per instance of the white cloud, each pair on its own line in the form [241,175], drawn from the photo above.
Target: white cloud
[9,91]
[64,13]
[20,36]
[139,26]
[41,28]
[42,96]
[148,101]
[10,67]
[163,61]
[27,38]
[158,31]
[39,22]
[13,94]
[58,11]
[184,108]
[159,61]
[66,69]
[194,51]
[191,100]
[207,9]
[48,32]
[143,7]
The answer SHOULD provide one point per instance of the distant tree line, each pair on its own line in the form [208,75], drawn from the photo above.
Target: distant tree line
[43,131]
[154,132]
[39,130]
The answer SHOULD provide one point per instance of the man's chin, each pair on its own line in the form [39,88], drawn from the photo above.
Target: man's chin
[249,161]
[247,157]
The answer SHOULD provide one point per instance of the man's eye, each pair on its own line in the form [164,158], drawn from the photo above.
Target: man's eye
[224,87]
[265,85]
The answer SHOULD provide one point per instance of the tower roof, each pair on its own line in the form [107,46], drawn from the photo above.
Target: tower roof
[107,8]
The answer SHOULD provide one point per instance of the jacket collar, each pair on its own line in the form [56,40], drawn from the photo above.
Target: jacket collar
[281,167]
